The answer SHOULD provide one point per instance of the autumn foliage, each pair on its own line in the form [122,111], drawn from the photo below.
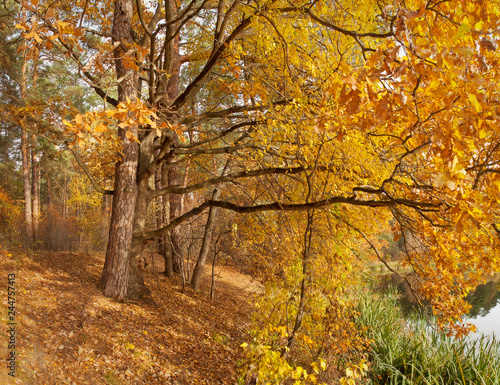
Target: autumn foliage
[292,133]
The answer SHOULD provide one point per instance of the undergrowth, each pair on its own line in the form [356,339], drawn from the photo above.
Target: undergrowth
[412,351]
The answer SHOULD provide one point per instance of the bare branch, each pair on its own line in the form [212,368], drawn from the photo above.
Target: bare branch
[278,206]
[353,34]
[175,189]
[232,110]
[219,135]
[175,222]
[202,77]
[165,148]
[82,165]
[217,150]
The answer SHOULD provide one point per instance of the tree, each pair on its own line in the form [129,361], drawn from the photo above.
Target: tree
[369,109]
[14,88]
[116,275]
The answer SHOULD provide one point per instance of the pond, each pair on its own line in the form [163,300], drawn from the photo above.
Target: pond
[485,301]
[485,312]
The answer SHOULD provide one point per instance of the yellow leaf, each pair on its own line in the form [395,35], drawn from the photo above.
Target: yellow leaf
[50,12]
[297,373]
[354,103]
[100,128]
[352,82]
[382,109]
[131,136]
[474,102]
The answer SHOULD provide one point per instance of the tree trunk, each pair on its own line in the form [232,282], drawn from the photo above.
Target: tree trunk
[207,237]
[104,218]
[173,246]
[205,246]
[306,256]
[48,192]
[28,217]
[27,187]
[136,287]
[163,217]
[65,198]
[35,187]
[35,160]
[116,273]
[170,174]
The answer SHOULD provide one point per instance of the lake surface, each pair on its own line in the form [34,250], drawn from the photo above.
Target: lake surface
[485,301]
[485,312]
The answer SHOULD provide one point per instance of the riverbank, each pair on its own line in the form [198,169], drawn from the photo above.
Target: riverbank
[410,350]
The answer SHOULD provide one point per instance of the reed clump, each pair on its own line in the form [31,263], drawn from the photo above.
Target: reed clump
[409,350]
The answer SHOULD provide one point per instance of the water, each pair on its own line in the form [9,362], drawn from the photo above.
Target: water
[485,301]
[485,312]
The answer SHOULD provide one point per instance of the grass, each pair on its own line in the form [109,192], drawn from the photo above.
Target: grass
[410,351]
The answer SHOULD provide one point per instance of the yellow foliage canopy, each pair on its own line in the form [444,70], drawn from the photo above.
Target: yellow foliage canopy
[389,110]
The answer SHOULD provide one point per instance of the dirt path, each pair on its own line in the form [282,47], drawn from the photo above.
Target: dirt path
[68,333]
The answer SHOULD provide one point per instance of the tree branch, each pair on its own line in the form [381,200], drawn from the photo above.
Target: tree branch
[202,77]
[176,189]
[220,135]
[165,148]
[232,110]
[82,165]
[278,206]
[341,30]
[217,150]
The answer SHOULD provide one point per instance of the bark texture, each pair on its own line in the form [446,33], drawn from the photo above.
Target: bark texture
[35,160]
[160,211]
[25,158]
[28,216]
[170,173]
[35,188]
[136,287]
[115,277]
[173,251]
[205,246]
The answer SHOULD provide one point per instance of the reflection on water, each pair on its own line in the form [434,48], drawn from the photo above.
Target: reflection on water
[407,300]
[485,298]
[485,311]
[485,301]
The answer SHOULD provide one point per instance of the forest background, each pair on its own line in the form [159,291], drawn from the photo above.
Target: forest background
[300,140]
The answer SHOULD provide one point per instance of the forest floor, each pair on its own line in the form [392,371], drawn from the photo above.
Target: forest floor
[67,332]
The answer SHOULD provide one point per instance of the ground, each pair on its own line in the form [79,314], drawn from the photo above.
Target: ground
[67,332]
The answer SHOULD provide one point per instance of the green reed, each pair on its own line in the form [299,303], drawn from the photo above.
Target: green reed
[411,351]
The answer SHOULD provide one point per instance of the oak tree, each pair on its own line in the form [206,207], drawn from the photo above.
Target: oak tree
[361,111]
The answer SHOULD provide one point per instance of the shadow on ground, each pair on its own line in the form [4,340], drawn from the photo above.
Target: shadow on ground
[68,333]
